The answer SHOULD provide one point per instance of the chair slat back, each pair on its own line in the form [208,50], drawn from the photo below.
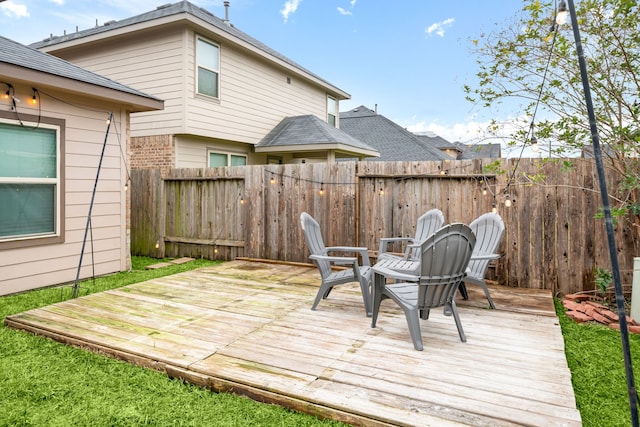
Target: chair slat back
[315,243]
[488,229]
[428,223]
[445,257]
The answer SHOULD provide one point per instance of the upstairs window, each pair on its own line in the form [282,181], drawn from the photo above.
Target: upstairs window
[30,183]
[208,73]
[332,111]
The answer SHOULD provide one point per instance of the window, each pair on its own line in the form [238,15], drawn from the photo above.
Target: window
[226,159]
[31,192]
[332,111]
[208,73]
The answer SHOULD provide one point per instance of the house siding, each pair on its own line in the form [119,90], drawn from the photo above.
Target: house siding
[85,126]
[254,93]
[254,97]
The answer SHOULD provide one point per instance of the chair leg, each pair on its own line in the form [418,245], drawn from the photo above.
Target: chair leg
[377,288]
[366,295]
[322,293]
[486,293]
[454,311]
[463,291]
[413,320]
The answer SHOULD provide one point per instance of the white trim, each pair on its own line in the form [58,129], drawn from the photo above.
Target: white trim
[56,182]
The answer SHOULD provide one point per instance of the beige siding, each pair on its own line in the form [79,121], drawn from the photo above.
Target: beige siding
[33,267]
[151,62]
[254,94]
[254,97]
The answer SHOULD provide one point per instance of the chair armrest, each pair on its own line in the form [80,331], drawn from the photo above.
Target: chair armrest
[386,240]
[336,259]
[392,274]
[481,257]
[364,252]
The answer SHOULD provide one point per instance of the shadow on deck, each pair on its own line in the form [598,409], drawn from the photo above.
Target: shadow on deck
[246,327]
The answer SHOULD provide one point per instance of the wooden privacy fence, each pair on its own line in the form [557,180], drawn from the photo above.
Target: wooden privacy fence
[552,238]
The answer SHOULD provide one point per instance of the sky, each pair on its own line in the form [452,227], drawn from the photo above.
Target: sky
[410,59]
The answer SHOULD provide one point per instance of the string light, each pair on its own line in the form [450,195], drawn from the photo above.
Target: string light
[381,191]
[561,16]
[7,94]
[507,201]
[241,200]
[215,249]
[157,244]
[126,185]
[34,99]
[321,192]
[494,208]
[272,180]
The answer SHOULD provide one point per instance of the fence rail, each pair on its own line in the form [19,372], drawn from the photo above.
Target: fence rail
[552,238]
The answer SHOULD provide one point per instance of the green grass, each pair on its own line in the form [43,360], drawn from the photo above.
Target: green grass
[595,357]
[45,383]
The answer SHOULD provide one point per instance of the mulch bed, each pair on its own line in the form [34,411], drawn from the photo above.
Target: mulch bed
[582,308]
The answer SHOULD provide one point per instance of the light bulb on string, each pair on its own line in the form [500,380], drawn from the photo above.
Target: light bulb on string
[321,192]
[381,192]
[494,208]
[34,99]
[562,14]
[272,180]
[157,244]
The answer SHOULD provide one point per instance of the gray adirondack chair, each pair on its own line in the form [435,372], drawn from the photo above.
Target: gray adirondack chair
[427,224]
[444,260]
[488,229]
[351,270]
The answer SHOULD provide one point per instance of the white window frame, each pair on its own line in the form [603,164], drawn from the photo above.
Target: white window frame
[198,66]
[224,153]
[57,236]
[332,101]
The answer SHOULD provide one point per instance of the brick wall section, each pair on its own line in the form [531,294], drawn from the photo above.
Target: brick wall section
[152,152]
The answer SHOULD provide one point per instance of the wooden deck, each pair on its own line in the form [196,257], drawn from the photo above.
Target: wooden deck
[246,327]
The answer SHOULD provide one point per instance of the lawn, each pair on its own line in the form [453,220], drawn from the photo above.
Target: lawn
[47,383]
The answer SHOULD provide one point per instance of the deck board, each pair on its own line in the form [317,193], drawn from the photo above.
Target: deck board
[245,326]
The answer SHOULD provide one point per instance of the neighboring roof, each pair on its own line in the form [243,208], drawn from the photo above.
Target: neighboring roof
[479,151]
[26,64]
[310,133]
[437,141]
[183,10]
[394,142]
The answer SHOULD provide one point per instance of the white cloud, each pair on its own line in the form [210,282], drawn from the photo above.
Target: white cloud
[58,2]
[353,3]
[14,10]
[290,6]
[343,11]
[439,27]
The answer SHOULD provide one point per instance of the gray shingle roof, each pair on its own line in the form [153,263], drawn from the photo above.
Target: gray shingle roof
[311,131]
[437,141]
[183,7]
[394,142]
[480,151]
[14,53]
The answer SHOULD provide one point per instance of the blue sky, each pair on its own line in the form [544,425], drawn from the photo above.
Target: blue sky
[410,57]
